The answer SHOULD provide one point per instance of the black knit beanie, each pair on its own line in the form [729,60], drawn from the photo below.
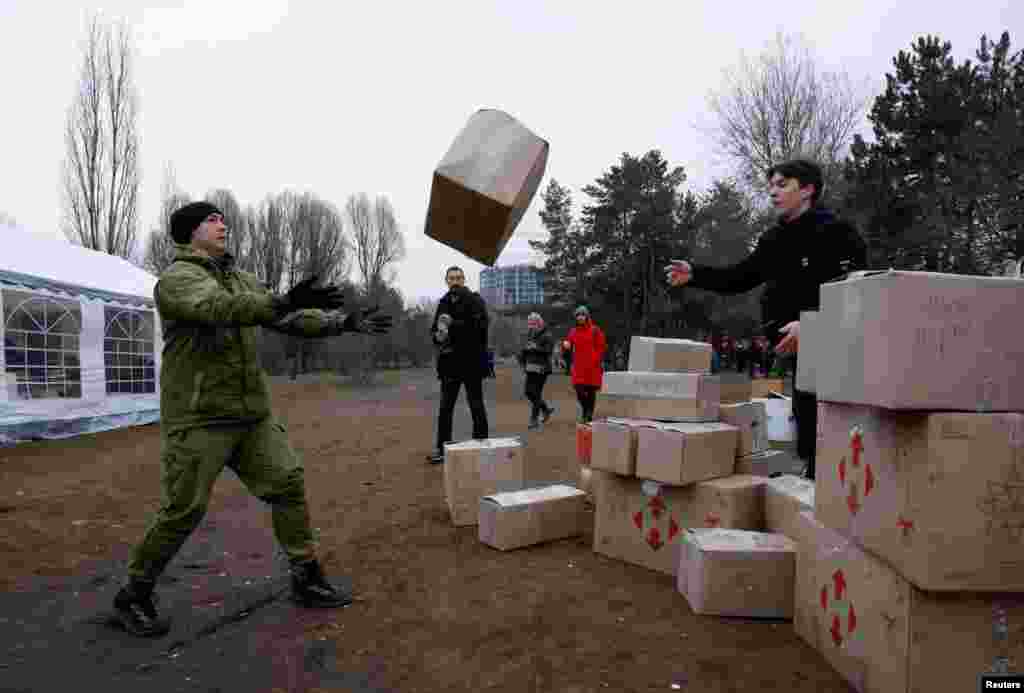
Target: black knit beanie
[187,219]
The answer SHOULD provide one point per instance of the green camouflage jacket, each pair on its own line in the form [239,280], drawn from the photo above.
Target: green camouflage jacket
[209,312]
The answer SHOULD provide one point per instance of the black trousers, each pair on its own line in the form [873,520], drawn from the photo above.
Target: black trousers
[449,395]
[805,411]
[534,393]
[587,396]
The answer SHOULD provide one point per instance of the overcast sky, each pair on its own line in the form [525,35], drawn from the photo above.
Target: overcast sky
[348,97]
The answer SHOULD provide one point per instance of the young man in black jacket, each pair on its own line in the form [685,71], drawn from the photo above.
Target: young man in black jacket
[807,248]
[460,335]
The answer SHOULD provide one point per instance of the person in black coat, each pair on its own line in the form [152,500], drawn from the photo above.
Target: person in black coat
[807,248]
[535,360]
[459,332]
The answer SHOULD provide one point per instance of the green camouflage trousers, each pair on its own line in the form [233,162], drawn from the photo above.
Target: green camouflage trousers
[191,460]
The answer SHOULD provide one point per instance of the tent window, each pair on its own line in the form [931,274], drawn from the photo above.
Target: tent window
[41,344]
[128,351]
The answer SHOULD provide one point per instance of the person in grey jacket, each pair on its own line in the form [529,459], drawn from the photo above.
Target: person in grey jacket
[535,360]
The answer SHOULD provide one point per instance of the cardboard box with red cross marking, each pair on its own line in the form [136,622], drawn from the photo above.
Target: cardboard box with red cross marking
[641,521]
[939,496]
[883,635]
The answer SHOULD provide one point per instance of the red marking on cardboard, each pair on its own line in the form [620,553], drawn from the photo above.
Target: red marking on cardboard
[905,525]
[657,506]
[673,528]
[839,583]
[851,499]
[856,446]
[836,631]
[869,479]
[654,538]
[842,471]
[638,519]
[824,597]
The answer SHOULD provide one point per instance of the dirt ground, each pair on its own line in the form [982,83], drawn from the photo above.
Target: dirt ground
[435,611]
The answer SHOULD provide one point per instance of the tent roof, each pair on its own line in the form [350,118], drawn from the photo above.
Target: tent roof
[39,262]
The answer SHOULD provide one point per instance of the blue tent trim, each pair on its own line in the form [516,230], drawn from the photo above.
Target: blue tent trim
[32,282]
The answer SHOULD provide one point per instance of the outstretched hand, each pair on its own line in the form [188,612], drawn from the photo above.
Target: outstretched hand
[791,342]
[678,273]
[368,322]
[305,295]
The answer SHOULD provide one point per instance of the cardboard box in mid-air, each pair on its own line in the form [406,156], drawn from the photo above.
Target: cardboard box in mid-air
[484,184]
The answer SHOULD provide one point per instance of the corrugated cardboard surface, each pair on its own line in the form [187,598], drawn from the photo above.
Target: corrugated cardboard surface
[532,516]
[478,468]
[658,355]
[885,636]
[919,340]
[770,462]
[484,184]
[785,497]
[614,447]
[684,453]
[752,420]
[806,346]
[734,387]
[939,496]
[727,572]
[762,387]
[661,396]
[641,521]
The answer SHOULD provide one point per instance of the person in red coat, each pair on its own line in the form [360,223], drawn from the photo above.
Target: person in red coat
[587,344]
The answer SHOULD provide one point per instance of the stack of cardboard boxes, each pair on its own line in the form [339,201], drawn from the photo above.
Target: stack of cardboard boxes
[910,568]
[664,466]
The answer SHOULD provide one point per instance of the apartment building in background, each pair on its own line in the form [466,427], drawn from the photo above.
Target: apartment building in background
[515,285]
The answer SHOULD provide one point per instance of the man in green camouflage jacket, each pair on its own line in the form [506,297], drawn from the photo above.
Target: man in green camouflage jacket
[215,408]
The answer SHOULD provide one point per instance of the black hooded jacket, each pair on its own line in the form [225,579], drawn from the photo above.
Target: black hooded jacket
[463,353]
[535,356]
[794,259]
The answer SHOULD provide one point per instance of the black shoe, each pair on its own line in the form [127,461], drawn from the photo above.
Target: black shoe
[533,425]
[435,457]
[135,610]
[547,414]
[311,589]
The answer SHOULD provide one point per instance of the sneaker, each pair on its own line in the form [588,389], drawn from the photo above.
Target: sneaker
[547,414]
[311,589]
[135,610]
[435,457]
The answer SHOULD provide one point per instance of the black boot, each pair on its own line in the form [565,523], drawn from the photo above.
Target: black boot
[547,413]
[311,589]
[135,610]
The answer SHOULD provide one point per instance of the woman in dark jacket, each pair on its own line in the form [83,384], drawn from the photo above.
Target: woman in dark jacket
[535,359]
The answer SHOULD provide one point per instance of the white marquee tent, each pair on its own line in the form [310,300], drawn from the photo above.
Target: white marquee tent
[81,340]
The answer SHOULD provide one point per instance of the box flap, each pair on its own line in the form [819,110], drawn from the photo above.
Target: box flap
[485,444]
[731,540]
[533,495]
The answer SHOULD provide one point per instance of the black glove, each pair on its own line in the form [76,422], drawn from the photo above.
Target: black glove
[305,295]
[365,321]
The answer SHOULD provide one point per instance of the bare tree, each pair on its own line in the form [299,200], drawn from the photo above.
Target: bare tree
[269,242]
[101,171]
[377,241]
[159,253]
[781,106]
